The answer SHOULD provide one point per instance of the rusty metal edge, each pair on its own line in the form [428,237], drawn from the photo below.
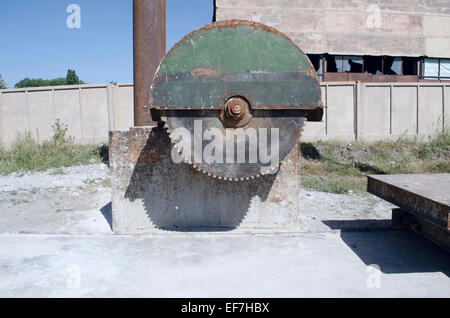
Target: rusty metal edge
[374,184]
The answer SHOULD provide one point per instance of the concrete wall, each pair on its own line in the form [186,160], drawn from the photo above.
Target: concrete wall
[353,27]
[364,111]
[90,111]
[381,111]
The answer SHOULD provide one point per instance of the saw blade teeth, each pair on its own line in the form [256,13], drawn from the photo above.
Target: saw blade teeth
[171,125]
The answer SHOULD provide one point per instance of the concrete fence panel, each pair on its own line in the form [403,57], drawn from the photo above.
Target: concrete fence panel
[355,111]
[123,100]
[404,111]
[67,108]
[95,115]
[377,105]
[430,112]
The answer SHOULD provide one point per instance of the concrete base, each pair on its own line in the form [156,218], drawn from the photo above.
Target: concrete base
[150,193]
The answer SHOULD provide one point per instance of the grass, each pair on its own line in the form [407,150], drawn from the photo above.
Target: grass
[341,167]
[18,202]
[27,155]
[326,166]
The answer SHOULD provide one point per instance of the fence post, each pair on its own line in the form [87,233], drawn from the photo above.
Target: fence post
[2,122]
[359,112]
[110,103]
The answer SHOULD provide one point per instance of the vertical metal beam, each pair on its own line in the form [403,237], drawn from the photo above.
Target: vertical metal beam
[149,35]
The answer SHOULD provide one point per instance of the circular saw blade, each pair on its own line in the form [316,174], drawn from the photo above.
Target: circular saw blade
[212,155]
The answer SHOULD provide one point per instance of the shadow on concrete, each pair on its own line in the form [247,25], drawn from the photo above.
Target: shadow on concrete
[394,251]
[177,197]
[107,214]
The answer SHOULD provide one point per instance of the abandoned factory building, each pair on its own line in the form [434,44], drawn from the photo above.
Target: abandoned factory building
[359,40]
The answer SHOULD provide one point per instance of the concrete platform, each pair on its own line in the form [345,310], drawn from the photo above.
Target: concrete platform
[424,202]
[224,265]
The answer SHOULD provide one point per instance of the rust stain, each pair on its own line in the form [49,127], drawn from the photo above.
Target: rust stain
[203,72]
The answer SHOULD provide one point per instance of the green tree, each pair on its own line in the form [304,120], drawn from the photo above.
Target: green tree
[2,83]
[71,79]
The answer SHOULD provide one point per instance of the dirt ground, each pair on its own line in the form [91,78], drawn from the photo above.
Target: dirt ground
[76,200]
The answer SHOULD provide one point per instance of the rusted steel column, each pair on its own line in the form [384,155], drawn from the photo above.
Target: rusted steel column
[149,35]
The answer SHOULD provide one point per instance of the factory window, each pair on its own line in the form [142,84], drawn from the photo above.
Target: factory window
[384,65]
[436,69]
[410,66]
[376,65]
[392,65]
[349,64]
[317,62]
[369,67]
[373,64]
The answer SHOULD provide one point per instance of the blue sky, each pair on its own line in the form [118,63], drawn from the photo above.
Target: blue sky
[37,43]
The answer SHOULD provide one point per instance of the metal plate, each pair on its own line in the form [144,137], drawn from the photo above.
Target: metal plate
[235,58]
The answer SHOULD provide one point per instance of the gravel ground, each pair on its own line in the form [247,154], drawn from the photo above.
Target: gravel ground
[76,200]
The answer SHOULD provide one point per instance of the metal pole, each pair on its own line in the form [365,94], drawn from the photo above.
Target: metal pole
[149,35]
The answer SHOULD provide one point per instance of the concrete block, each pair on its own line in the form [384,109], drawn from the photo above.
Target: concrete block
[430,110]
[375,44]
[122,104]
[41,114]
[438,47]
[404,111]
[16,114]
[151,193]
[309,42]
[378,111]
[67,108]
[341,107]
[357,22]
[436,26]
[94,112]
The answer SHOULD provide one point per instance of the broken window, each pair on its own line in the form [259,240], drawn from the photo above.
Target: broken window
[376,65]
[392,65]
[317,62]
[348,64]
[373,64]
[383,65]
[410,66]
